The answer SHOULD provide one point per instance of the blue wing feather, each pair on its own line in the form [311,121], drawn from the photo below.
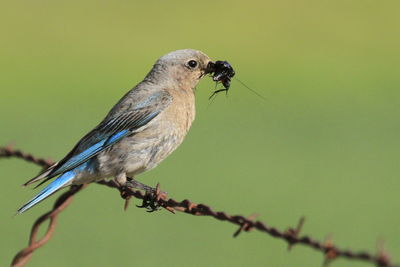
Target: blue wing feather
[129,115]
[48,190]
[117,125]
[54,186]
[92,151]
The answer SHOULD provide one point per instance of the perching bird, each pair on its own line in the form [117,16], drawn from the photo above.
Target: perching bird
[141,130]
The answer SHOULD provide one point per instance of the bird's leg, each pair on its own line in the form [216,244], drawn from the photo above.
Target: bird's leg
[127,182]
[121,180]
[132,183]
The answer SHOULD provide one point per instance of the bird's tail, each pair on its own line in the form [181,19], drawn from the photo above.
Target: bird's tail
[53,187]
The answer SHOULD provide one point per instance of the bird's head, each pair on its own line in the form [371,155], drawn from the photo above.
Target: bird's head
[181,68]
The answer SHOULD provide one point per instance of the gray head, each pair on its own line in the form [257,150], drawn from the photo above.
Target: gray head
[181,68]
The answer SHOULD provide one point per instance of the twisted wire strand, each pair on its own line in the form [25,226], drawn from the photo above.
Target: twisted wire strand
[158,199]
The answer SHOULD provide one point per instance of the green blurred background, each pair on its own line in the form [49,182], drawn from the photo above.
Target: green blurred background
[325,144]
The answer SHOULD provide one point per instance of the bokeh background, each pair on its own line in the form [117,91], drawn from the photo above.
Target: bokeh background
[325,143]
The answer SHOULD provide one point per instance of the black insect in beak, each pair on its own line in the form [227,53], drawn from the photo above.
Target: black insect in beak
[222,72]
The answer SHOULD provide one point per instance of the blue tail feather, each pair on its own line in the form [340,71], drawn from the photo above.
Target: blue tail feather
[49,190]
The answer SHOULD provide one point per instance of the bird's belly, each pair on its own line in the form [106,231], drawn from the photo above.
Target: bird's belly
[136,154]
[151,154]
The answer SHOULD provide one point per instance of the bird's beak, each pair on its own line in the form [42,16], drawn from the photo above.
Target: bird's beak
[210,68]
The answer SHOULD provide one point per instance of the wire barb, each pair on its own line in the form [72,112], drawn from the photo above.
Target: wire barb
[293,233]
[330,251]
[245,226]
[290,236]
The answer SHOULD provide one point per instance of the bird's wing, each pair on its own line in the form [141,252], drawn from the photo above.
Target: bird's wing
[108,132]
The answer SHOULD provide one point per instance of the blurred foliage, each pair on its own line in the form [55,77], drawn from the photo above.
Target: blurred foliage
[325,144]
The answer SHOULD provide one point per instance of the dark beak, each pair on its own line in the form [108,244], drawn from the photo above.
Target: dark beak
[210,68]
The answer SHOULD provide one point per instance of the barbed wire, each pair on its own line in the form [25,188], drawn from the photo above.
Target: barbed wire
[157,199]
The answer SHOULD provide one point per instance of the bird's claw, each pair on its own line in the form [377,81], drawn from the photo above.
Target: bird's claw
[151,200]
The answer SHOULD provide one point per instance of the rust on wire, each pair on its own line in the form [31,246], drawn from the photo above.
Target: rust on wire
[294,232]
[330,251]
[159,199]
[245,226]
[8,151]
[61,203]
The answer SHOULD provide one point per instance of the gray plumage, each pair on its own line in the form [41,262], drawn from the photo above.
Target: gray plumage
[141,130]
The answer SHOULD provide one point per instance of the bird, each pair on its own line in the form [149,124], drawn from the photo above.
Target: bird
[145,126]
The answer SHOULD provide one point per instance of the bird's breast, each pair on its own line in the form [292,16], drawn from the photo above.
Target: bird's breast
[145,149]
[171,126]
[181,112]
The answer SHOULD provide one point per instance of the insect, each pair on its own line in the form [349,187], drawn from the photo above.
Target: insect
[222,72]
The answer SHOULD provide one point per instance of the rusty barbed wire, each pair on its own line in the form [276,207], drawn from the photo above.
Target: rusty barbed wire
[24,255]
[9,151]
[159,199]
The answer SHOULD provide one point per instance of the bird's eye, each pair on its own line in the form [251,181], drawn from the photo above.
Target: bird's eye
[192,64]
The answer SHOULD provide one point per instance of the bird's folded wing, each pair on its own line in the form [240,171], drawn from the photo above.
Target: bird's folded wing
[108,132]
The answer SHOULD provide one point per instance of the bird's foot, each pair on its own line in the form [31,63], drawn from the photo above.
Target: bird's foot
[152,200]
[134,184]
